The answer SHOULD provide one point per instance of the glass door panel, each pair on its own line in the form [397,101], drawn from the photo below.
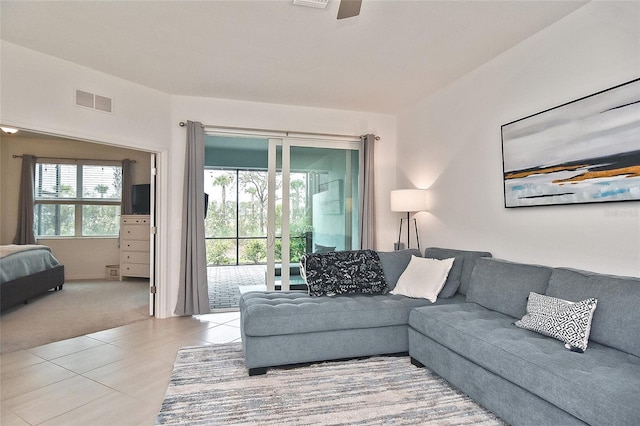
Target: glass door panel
[315,205]
[221,221]
[252,218]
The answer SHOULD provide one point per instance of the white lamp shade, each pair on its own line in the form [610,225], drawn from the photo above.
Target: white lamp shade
[409,200]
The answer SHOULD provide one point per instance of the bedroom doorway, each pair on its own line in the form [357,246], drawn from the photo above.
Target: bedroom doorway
[85,256]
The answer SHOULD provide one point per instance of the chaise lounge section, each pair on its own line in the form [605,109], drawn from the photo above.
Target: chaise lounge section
[522,376]
[282,328]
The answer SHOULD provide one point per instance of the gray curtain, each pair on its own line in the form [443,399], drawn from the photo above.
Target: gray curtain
[25,233]
[367,200]
[193,296]
[126,207]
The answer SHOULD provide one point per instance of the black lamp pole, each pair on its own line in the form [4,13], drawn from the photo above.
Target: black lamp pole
[408,229]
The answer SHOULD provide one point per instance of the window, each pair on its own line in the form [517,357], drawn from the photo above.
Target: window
[236,224]
[78,199]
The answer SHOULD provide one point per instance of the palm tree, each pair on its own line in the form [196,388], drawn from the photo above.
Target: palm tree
[224,180]
[255,183]
[297,186]
[101,189]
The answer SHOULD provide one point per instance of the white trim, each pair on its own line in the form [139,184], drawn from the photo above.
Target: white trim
[162,269]
[154,236]
[286,251]
[329,144]
[271,213]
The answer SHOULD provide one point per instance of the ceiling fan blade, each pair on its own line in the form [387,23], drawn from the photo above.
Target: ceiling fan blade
[349,8]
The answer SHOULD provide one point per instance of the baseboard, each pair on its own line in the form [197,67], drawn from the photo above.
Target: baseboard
[85,277]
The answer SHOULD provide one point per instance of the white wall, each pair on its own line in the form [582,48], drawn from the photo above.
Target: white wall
[232,113]
[37,93]
[83,258]
[451,143]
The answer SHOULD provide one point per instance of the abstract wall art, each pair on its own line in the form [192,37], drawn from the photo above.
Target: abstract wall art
[584,151]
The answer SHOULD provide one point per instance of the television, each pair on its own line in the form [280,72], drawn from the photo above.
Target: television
[141,198]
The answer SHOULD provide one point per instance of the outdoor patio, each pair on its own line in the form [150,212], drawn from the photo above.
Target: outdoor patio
[226,283]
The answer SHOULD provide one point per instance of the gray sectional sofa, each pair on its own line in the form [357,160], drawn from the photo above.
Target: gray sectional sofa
[470,338]
[282,328]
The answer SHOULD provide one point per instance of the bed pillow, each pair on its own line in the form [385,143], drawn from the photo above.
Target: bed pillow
[423,278]
[569,322]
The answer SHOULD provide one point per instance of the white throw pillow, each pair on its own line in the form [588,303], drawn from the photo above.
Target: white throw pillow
[423,278]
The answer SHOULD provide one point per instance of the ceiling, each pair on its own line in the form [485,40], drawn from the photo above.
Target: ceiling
[392,55]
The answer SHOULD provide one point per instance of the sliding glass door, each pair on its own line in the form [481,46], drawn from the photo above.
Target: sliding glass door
[312,203]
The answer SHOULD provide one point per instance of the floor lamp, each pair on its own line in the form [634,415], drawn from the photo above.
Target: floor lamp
[408,200]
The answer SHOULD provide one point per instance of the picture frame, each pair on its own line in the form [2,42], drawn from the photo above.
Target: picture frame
[583,151]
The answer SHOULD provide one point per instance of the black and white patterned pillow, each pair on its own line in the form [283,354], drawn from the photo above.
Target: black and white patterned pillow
[343,272]
[569,322]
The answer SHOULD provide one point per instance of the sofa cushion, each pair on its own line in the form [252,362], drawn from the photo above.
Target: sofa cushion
[616,322]
[569,322]
[504,286]
[459,282]
[317,248]
[599,386]
[423,278]
[394,263]
[343,272]
[275,313]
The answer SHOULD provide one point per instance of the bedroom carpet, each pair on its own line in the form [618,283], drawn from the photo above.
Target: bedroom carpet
[81,307]
[210,386]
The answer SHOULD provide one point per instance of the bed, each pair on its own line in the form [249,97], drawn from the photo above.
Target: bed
[27,271]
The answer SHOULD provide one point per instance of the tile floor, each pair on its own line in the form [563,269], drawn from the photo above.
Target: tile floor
[112,377]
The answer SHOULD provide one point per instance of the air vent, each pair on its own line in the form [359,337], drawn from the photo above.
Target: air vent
[320,4]
[84,99]
[89,100]
[103,104]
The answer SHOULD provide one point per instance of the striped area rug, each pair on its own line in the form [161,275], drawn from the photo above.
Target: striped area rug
[210,386]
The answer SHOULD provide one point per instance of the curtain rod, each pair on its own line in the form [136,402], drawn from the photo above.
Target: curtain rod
[286,132]
[70,159]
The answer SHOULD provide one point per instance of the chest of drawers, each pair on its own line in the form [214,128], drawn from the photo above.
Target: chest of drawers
[134,246]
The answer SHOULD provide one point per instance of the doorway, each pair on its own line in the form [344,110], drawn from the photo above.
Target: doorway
[86,255]
[270,201]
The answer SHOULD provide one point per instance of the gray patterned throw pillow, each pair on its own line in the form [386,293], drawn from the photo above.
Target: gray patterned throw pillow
[343,272]
[569,322]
